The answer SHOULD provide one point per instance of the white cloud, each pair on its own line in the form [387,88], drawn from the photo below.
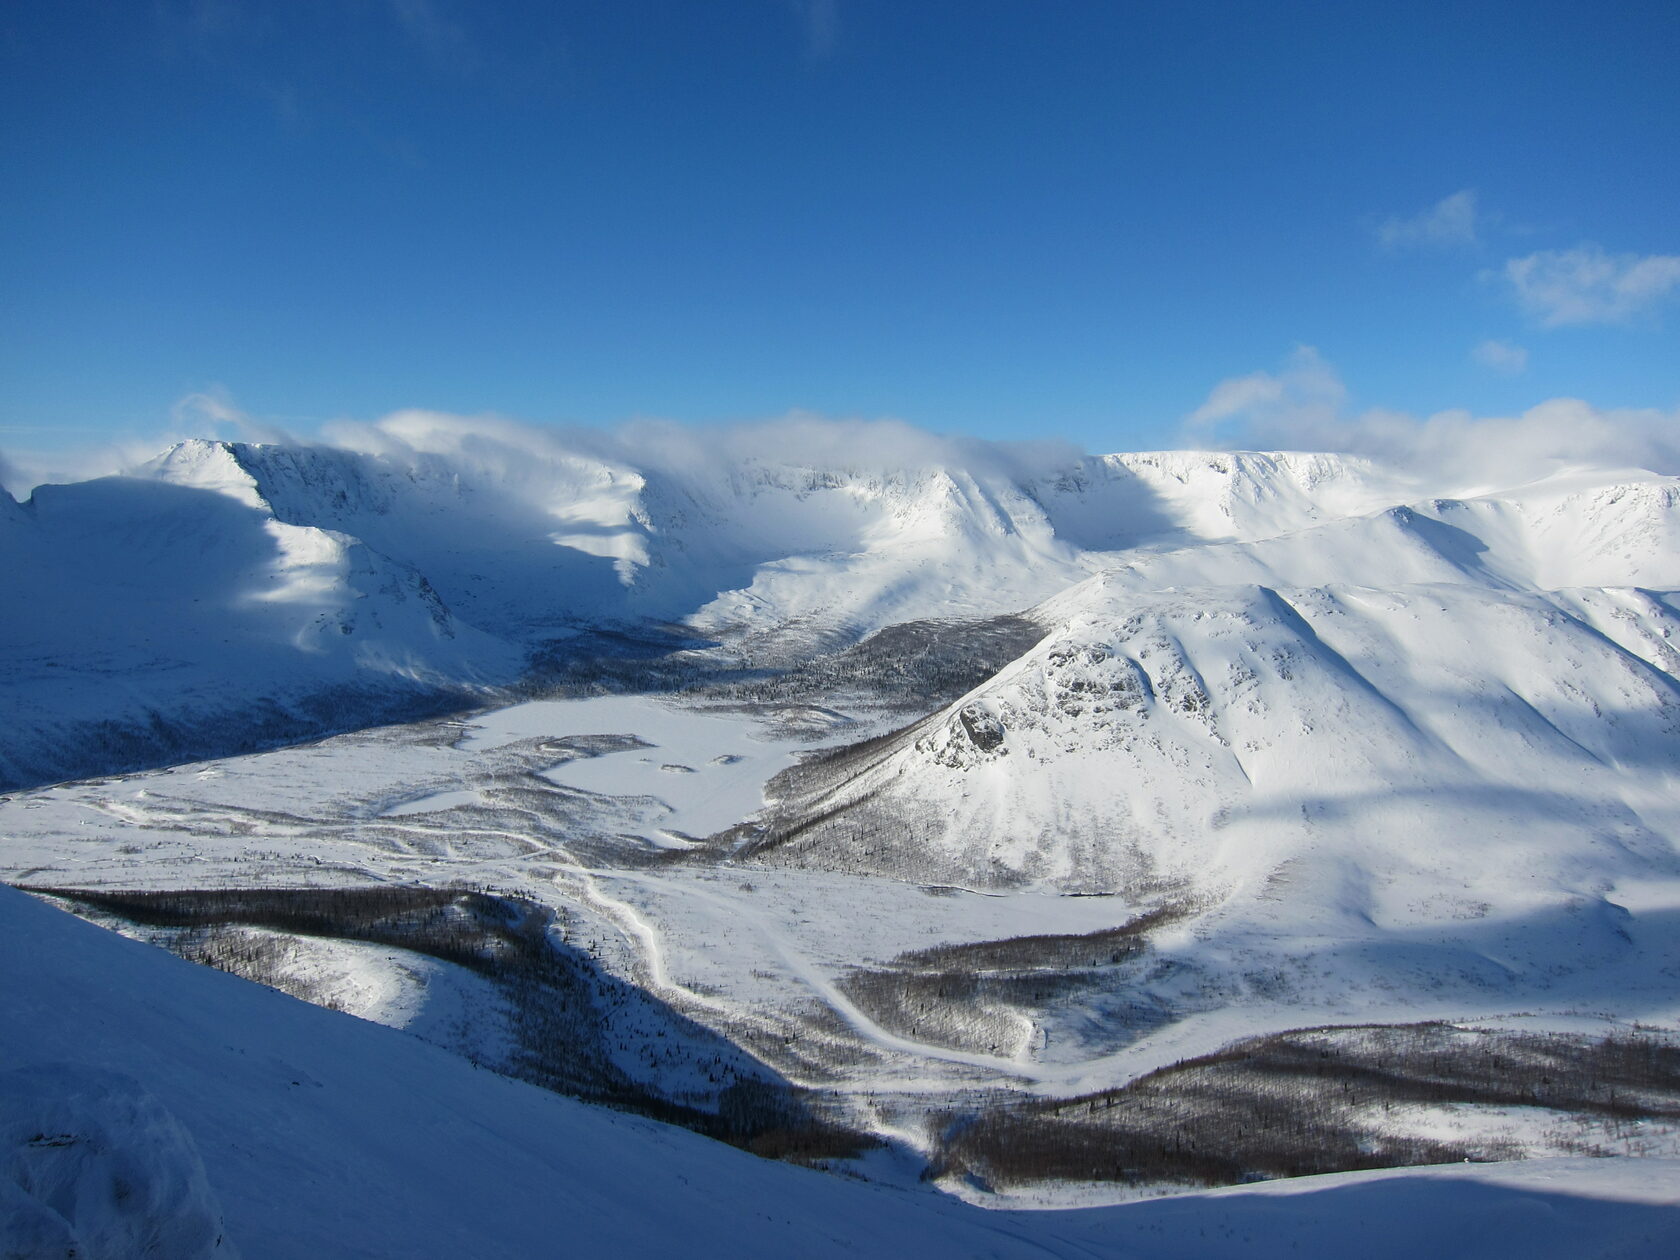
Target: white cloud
[210,411]
[1502,357]
[819,22]
[210,414]
[1587,285]
[1450,221]
[12,480]
[519,453]
[1301,406]
[1307,412]
[1555,433]
[1306,386]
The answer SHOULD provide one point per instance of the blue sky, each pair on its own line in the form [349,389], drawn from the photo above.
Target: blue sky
[1002,219]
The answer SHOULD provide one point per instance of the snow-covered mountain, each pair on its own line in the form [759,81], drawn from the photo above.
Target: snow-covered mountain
[586,540]
[224,594]
[1114,502]
[175,612]
[1445,737]
[227,594]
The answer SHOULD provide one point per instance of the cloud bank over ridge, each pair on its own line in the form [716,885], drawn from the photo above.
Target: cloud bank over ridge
[1305,406]
[1302,405]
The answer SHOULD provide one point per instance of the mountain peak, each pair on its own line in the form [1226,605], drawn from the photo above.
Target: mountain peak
[207,464]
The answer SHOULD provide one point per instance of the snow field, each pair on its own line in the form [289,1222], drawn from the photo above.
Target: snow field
[322,1135]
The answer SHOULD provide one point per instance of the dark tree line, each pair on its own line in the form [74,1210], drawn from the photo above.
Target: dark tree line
[1308,1102]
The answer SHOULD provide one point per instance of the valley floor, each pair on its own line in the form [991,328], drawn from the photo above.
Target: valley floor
[308,1134]
[887,1010]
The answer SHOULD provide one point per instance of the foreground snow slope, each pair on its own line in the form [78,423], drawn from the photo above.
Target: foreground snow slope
[324,1135]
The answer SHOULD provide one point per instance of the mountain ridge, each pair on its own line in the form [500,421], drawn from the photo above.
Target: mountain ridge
[430,571]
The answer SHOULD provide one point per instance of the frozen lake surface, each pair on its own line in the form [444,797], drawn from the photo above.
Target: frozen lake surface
[433,802]
[706,768]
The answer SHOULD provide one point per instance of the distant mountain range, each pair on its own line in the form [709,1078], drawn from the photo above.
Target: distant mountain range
[225,593]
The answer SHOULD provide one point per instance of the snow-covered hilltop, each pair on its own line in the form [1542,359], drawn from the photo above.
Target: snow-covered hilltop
[1454,725]
[1512,642]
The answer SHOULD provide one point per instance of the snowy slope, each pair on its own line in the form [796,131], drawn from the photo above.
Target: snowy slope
[1114,502]
[1478,651]
[300,1132]
[141,610]
[509,556]
[1185,735]
[1433,749]
[581,539]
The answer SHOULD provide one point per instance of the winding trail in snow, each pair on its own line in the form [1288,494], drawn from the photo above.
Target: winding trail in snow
[812,976]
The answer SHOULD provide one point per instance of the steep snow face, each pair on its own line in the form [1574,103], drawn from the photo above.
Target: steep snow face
[934,543]
[206,465]
[505,558]
[210,575]
[11,511]
[1113,502]
[1211,735]
[1454,724]
[388,613]
[590,541]
[513,559]
[133,600]
[1549,536]
[1576,528]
